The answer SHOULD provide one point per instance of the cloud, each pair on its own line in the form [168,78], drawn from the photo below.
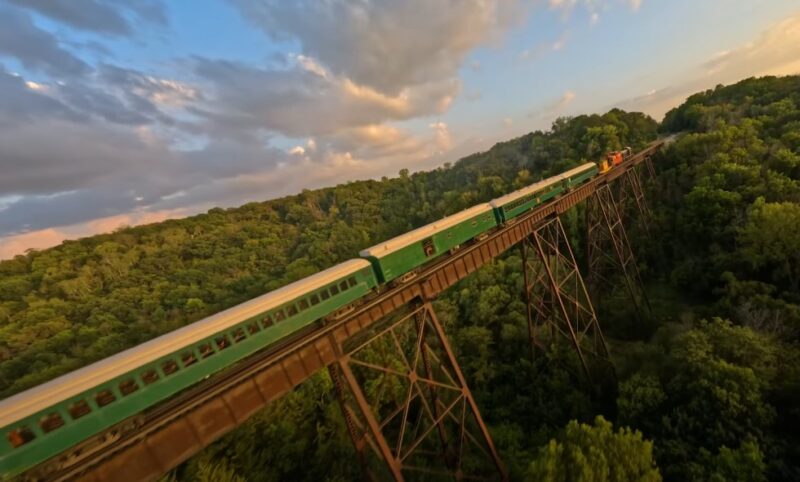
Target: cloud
[565,100]
[20,103]
[36,49]
[100,16]
[442,135]
[384,44]
[300,102]
[776,51]
[83,142]
[51,156]
[116,95]
[117,174]
[541,49]
[159,91]
[553,109]
[592,7]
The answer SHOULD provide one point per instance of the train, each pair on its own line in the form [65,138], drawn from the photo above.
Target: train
[40,425]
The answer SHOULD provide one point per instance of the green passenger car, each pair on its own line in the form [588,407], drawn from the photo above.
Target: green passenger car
[404,254]
[513,204]
[44,421]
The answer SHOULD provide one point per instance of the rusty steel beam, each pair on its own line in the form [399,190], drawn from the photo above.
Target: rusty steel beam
[608,249]
[405,385]
[164,436]
[556,295]
[630,196]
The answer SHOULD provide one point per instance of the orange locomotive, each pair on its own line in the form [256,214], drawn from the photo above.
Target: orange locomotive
[614,158]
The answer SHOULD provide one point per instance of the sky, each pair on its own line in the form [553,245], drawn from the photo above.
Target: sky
[117,113]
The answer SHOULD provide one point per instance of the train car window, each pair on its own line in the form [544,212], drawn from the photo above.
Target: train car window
[303,305]
[206,350]
[351,281]
[279,316]
[427,247]
[188,359]
[169,367]
[253,328]
[314,299]
[238,333]
[51,422]
[222,342]
[267,321]
[291,311]
[334,290]
[78,409]
[150,376]
[126,387]
[325,295]
[343,285]
[20,436]
[104,397]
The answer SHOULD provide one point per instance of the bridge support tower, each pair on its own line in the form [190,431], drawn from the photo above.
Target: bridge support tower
[630,196]
[558,303]
[609,249]
[407,406]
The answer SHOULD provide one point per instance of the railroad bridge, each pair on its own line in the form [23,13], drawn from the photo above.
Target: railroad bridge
[435,432]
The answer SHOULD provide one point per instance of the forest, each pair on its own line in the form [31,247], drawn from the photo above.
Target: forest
[707,387]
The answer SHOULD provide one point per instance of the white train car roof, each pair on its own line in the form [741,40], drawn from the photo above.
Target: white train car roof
[66,386]
[513,196]
[387,247]
[577,170]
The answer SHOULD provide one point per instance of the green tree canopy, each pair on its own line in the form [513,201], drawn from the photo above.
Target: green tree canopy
[595,453]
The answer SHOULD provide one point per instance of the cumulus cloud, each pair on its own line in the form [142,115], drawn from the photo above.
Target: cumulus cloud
[302,101]
[385,44]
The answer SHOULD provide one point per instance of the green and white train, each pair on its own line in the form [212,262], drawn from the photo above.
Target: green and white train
[45,421]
